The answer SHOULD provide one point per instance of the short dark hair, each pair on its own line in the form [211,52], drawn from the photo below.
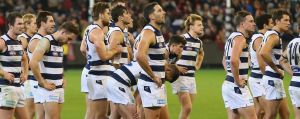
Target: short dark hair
[149,9]
[278,14]
[115,2]
[117,11]
[69,27]
[240,17]
[42,17]
[262,20]
[98,8]
[176,39]
[11,18]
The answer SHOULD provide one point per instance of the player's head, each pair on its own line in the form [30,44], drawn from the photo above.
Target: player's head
[15,23]
[114,3]
[154,12]
[101,12]
[130,25]
[30,23]
[264,22]
[45,20]
[172,73]
[194,23]
[68,32]
[120,14]
[281,19]
[176,44]
[244,20]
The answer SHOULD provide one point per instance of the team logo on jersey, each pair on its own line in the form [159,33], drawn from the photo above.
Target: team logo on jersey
[12,53]
[189,48]
[55,53]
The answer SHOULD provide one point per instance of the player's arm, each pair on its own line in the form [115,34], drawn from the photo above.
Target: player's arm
[199,59]
[83,46]
[32,44]
[284,63]
[25,66]
[257,47]
[265,52]
[237,48]
[97,37]
[147,39]
[38,54]
[6,75]
[23,41]
[116,39]
[224,63]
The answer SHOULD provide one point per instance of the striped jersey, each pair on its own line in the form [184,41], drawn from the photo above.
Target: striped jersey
[243,66]
[52,63]
[255,70]
[121,58]
[189,54]
[156,57]
[26,36]
[97,67]
[293,56]
[35,36]
[11,59]
[276,53]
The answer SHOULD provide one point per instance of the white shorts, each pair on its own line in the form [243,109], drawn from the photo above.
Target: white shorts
[97,87]
[256,87]
[184,84]
[11,96]
[119,93]
[36,92]
[27,89]
[84,78]
[151,94]
[235,97]
[56,95]
[295,97]
[274,88]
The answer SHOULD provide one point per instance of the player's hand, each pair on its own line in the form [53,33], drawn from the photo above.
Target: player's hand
[280,72]
[241,82]
[23,77]
[64,83]
[8,76]
[47,86]
[182,70]
[157,81]
[118,48]
[133,110]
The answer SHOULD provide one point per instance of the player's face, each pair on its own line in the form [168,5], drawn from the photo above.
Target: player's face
[126,18]
[130,25]
[105,17]
[50,25]
[159,15]
[284,22]
[18,28]
[249,24]
[67,37]
[176,48]
[32,27]
[198,28]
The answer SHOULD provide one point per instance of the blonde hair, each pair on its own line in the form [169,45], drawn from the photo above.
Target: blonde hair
[27,19]
[190,20]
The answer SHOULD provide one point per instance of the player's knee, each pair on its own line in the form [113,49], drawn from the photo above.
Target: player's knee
[187,108]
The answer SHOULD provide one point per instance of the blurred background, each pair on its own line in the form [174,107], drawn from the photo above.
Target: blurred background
[217,16]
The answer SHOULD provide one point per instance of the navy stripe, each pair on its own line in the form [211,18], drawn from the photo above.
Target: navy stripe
[100,73]
[158,68]
[124,54]
[256,75]
[87,66]
[277,56]
[188,74]
[129,74]
[255,68]
[6,82]
[120,79]
[11,63]
[156,56]
[148,79]
[30,77]
[277,46]
[190,48]
[245,50]
[98,62]
[295,84]
[272,74]
[54,54]
[158,45]
[52,76]
[241,71]
[187,57]
[229,78]
[53,64]
[188,67]
[244,59]
[16,75]
[296,74]
[13,53]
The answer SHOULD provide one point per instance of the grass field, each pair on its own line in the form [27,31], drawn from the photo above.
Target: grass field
[208,103]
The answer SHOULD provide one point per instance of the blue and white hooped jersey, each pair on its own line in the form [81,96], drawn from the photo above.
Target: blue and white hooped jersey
[35,36]
[11,59]
[243,66]
[275,54]
[52,63]
[189,54]
[255,70]
[128,73]
[26,36]
[121,58]
[155,55]
[97,67]
[293,56]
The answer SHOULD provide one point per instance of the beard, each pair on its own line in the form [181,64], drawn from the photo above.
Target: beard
[105,23]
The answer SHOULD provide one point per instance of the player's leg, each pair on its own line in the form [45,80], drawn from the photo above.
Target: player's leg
[232,114]
[100,108]
[52,110]
[164,113]
[127,111]
[247,112]
[114,113]
[271,108]
[152,112]
[88,110]
[40,111]
[258,107]
[21,113]
[284,112]
[186,104]
[6,112]
[297,112]
[20,110]
[30,107]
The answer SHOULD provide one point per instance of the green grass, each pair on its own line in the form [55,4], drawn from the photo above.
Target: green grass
[208,104]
